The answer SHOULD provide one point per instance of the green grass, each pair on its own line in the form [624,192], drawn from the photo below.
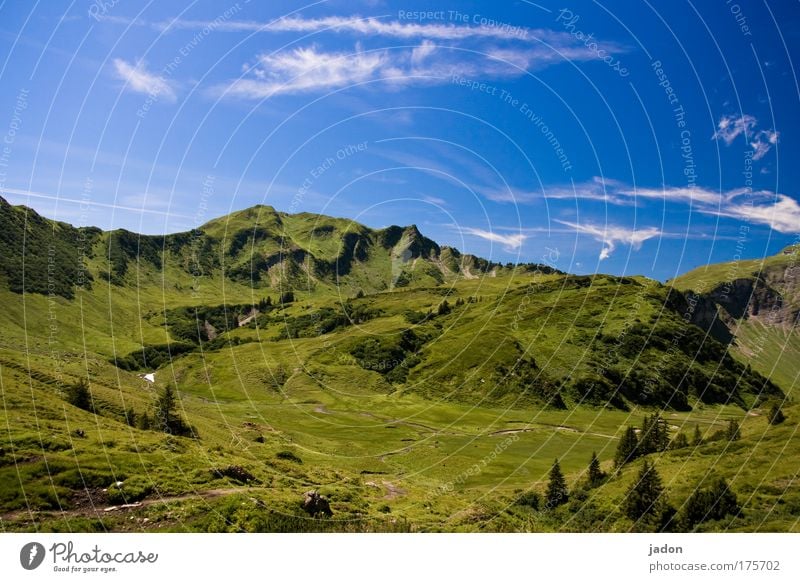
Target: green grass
[450,444]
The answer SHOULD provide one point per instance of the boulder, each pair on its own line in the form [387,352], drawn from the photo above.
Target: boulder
[314,503]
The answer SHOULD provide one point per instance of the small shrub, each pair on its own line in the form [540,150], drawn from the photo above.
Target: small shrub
[235,472]
[78,395]
[289,456]
[776,415]
[530,499]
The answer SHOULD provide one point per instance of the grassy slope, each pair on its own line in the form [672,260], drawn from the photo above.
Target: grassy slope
[382,451]
[771,350]
[371,446]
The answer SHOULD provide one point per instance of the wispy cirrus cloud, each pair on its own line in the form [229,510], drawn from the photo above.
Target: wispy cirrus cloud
[731,127]
[311,68]
[511,242]
[139,80]
[372,26]
[305,69]
[612,235]
[778,211]
[492,50]
[495,51]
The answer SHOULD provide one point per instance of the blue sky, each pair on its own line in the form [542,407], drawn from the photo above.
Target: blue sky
[618,137]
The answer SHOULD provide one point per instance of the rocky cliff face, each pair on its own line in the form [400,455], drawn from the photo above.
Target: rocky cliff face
[769,297]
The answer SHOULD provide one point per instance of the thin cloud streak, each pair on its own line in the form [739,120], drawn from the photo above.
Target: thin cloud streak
[611,235]
[372,26]
[511,242]
[309,68]
[139,80]
[778,211]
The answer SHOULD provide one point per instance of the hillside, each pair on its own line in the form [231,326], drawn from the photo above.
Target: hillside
[755,306]
[310,352]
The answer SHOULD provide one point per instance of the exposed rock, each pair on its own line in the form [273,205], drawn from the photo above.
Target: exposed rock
[235,472]
[314,503]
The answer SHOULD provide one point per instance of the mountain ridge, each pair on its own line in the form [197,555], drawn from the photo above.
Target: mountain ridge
[257,245]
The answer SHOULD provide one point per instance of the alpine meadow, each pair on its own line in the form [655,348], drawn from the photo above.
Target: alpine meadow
[406,267]
[210,380]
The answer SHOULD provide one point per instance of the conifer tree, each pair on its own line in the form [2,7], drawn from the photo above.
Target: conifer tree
[680,441]
[78,395]
[595,475]
[697,438]
[627,447]
[732,432]
[644,502]
[557,492]
[713,503]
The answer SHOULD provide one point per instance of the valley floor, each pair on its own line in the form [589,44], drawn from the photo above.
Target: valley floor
[393,462]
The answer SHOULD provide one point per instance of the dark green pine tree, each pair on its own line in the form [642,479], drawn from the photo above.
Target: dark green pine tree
[595,475]
[654,435]
[627,447]
[680,441]
[557,493]
[697,439]
[732,432]
[644,503]
[709,504]
[143,421]
[166,418]
[645,436]
[78,395]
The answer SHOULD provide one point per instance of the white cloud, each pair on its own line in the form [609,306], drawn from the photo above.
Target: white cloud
[762,142]
[778,211]
[511,242]
[423,51]
[732,126]
[138,79]
[312,69]
[611,235]
[309,68]
[370,26]
[305,69]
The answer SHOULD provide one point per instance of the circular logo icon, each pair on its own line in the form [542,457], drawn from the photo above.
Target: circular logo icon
[31,555]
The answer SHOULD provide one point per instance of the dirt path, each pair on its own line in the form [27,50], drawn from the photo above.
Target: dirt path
[392,490]
[99,510]
[548,427]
